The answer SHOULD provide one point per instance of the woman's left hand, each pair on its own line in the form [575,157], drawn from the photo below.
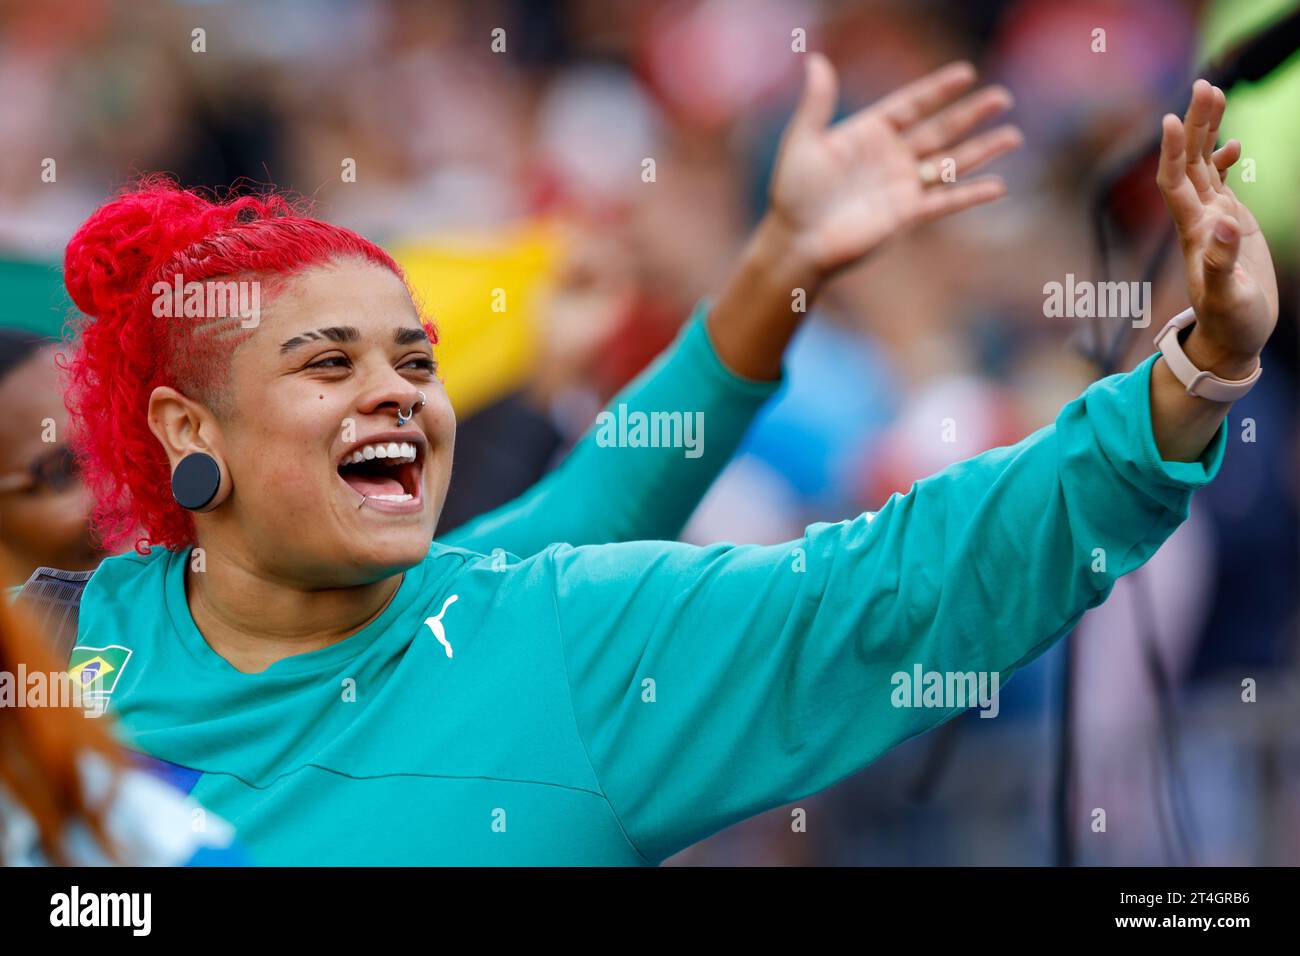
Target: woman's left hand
[1230,277]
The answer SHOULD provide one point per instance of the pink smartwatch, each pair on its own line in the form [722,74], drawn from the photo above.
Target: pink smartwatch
[1199,384]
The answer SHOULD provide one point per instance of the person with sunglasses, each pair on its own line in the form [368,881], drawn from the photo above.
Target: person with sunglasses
[44,506]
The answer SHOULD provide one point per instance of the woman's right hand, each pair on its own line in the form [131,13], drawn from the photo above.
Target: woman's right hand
[839,192]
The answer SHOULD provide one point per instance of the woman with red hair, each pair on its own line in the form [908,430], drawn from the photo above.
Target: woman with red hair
[345,689]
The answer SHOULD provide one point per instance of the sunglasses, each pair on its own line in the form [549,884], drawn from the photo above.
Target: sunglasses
[56,470]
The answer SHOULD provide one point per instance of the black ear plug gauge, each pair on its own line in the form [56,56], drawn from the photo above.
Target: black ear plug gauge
[196,480]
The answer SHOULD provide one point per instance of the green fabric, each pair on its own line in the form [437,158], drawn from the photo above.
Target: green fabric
[34,298]
[604,494]
[613,704]
[1264,178]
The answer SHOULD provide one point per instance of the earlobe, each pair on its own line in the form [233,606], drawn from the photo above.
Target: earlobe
[199,483]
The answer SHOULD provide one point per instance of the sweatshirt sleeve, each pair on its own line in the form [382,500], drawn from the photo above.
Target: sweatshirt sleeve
[603,492]
[710,684]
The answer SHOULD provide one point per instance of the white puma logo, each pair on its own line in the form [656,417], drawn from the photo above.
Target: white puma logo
[435,623]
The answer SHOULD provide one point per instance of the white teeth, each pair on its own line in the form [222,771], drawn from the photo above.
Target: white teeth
[390,497]
[397,451]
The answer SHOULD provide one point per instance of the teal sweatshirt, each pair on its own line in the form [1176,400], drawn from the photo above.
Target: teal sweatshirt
[613,704]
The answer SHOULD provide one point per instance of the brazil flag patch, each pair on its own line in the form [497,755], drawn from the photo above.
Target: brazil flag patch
[96,671]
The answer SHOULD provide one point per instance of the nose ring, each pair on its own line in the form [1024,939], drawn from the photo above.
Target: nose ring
[404,417]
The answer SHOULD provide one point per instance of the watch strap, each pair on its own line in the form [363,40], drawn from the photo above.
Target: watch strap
[1199,383]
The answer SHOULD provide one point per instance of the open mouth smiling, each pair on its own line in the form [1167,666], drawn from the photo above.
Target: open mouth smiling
[386,471]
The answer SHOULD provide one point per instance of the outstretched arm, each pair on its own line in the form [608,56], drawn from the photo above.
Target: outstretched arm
[838,193]
[711,684]
[604,493]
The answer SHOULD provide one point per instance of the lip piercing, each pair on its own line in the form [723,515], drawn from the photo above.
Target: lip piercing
[404,417]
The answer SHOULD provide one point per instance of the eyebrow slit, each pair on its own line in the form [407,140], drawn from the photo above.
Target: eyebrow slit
[335,333]
[348,333]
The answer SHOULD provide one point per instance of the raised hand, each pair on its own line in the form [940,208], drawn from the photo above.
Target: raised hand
[1230,276]
[840,191]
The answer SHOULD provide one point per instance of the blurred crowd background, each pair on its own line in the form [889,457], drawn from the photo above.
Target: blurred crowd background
[521,170]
